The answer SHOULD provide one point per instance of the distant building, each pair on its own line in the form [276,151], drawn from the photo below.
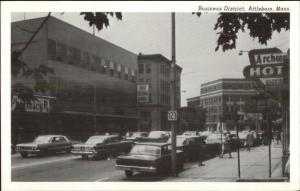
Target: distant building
[93,88]
[154,70]
[223,99]
[191,119]
[193,101]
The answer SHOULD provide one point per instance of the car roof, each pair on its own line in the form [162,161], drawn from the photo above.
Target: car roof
[50,135]
[152,143]
[104,136]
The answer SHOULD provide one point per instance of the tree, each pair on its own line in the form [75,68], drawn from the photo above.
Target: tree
[259,25]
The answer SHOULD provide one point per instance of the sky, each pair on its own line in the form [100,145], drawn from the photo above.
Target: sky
[150,33]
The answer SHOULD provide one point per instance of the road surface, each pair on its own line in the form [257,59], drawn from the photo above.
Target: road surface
[70,168]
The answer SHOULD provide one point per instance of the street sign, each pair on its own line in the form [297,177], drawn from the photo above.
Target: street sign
[143,93]
[172,115]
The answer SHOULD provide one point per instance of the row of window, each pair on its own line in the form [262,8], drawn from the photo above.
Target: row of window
[218,100]
[144,68]
[74,56]
[235,86]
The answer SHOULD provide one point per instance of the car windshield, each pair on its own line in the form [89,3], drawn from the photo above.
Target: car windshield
[95,139]
[42,139]
[145,150]
[180,141]
[136,134]
[156,134]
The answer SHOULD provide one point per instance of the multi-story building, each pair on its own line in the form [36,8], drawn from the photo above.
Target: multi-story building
[93,87]
[155,71]
[193,101]
[191,119]
[225,100]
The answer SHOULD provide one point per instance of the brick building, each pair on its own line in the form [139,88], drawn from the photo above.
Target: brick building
[93,88]
[224,98]
[154,70]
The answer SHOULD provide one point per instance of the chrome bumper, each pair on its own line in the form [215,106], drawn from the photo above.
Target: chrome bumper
[83,152]
[136,168]
[28,151]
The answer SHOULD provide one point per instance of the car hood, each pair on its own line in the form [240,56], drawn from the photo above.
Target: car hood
[83,145]
[27,145]
[139,157]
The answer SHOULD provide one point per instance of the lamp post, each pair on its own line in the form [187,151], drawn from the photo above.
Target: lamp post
[235,113]
[238,139]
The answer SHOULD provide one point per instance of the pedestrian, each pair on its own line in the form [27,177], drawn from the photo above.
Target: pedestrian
[278,137]
[201,153]
[249,140]
[227,144]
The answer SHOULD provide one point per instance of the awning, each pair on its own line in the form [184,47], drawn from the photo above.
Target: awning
[98,114]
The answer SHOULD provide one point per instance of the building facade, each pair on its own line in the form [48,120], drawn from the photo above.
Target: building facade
[92,89]
[225,100]
[193,101]
[155,71]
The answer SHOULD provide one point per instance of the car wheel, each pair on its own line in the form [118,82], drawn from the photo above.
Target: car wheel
[179,167]
[68,150]
[24,154]
[43,152]
[85,157]
[128,173]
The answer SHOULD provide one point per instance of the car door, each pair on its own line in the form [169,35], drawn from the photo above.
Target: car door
[54,144]
[62,144]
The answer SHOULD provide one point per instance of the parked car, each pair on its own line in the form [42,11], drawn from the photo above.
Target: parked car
[45,144]
[192,146]
[190,133]
[156,136]
[102,146]
[151,157]
[136,136]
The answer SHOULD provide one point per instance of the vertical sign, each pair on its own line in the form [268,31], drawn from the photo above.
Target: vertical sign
[142,93]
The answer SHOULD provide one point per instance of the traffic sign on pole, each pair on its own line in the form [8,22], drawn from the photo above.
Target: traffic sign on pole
[172,115]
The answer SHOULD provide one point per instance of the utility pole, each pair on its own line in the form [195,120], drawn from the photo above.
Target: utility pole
[94,97]
[238,139]
[173,97]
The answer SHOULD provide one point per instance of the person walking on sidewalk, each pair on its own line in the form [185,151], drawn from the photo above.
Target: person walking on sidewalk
[226,146]
[249,140]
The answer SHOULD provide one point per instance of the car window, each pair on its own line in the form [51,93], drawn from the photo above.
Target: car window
[54,140]
[145,150]
[95,139]
[42,139]
[61,139]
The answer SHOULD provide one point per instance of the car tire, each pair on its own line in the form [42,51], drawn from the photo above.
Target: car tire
[43,153]
[128,173]
[85,157]
[24,154]
[68,150]
[179,167]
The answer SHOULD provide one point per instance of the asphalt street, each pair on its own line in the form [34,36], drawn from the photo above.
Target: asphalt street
[69,168]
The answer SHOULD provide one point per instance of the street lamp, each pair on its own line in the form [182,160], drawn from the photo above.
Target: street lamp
[242,51]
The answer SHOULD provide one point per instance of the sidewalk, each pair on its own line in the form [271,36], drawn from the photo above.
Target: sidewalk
[254,166]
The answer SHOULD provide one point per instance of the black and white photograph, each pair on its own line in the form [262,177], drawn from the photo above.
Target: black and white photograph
[145,95]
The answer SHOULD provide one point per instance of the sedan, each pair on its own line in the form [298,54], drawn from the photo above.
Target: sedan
[45,144]
[149,157]
[102,146]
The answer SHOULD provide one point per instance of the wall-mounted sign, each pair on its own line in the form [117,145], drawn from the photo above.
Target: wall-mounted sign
[39,104]
[270,66]
[143,93]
